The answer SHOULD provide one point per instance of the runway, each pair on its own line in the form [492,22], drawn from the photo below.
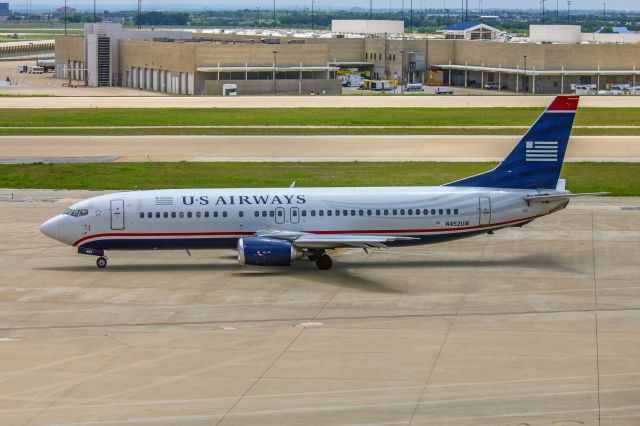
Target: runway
[355,101]
[297,148]
[535,325]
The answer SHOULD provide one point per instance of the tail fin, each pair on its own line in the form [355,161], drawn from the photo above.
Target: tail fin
[535,162]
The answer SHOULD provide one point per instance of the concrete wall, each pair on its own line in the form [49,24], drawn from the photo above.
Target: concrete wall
[179,57]
[261,54]
[265,87]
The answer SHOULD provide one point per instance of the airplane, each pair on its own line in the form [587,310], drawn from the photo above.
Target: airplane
[278,226]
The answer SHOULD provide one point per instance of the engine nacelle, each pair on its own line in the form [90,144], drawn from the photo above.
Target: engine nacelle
[264,251]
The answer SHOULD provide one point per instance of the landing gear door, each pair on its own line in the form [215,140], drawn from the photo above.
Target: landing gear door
[117,215]
[484,210]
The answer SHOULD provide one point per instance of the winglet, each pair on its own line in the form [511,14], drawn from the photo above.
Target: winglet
[293,184]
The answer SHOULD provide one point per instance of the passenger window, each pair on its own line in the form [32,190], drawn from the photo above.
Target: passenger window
[345,212]
[320,212]
[165,215]
[410,212]
[189,214]
[206,214]
[377,212]
[455,211]
[448,211]
[353,212]
[272,214]
[313,212]
[215,214]
[264,213]
[198,214]
[181,214]
[433,211]
[329,212]
[256,213]
[395,212]
[386,212]
[361,212]
[294,213]
[173,215]
[368,212]
[224,214]
[337,212]
[157,215]
[440,211]
[304,213]
[279,213]
[425,212]
[241,213]
[141,215]
[402,212]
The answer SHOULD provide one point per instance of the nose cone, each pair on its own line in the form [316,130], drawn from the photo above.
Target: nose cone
[50,228]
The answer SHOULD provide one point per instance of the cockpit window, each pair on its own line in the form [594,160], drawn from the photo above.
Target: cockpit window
[76,212]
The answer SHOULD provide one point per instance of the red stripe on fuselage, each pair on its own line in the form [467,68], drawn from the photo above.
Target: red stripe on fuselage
[346,231]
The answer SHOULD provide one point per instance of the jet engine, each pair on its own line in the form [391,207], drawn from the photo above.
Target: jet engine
[264,251]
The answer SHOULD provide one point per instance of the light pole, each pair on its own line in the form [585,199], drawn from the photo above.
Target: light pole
[65,17]
[568,11]
[524,77]
[311,15]
[275,73]
[402,71]
[274,14]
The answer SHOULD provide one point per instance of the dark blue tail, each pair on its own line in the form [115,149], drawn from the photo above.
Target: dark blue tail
[536,160]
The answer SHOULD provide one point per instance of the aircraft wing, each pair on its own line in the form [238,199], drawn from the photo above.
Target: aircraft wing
[332,241]
[552,197]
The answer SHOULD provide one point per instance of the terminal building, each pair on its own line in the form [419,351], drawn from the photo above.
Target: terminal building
[263,62]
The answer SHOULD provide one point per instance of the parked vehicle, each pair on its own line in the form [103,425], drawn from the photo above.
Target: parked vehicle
[351,80]
[413,87]
[23,68]
[491,86]
[443,90]
[584,89]
[33,69]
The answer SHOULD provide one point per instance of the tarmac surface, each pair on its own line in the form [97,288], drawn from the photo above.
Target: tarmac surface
[298,148]
[138,99]
[536,325]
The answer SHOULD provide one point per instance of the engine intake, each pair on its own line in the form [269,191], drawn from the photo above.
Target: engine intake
[264,251]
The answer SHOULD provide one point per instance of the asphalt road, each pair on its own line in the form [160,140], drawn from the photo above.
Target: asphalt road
[298,148]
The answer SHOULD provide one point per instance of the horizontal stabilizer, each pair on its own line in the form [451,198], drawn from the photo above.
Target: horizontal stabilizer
[552,197]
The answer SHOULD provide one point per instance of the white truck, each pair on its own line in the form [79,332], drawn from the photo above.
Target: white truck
[351,80]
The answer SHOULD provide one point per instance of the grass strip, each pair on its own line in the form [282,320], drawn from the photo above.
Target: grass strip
[622,179]
[303,116]
[266,131]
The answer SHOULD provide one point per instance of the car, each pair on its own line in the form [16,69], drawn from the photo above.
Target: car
[491,86]
[443,90]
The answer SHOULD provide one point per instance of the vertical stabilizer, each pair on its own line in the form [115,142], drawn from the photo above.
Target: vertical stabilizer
[535,162]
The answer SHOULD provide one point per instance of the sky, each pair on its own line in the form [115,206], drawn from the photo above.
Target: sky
[20,5]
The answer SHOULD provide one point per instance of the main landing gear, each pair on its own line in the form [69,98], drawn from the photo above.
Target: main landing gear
[322,259]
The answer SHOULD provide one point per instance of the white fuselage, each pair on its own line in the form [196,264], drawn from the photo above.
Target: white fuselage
[217,218]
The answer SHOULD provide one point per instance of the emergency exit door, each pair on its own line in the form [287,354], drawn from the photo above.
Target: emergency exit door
[117,215]
[484,210]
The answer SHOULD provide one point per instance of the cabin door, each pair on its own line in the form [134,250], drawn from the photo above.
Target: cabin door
[117,215]
[484,210]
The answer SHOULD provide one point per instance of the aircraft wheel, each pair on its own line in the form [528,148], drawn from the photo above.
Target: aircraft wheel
[324,262]
[101,262]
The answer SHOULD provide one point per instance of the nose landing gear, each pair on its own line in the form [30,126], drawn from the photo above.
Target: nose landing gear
[102,260]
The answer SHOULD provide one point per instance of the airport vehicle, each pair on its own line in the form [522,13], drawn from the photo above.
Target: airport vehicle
[277,226]
[443,90]
[34,69]
[413,87]
[584,89]
[229,89]
[23,68]
[491,86]
[351,80]
[379,85]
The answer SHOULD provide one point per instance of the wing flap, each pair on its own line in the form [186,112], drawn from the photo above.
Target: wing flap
[331,241]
